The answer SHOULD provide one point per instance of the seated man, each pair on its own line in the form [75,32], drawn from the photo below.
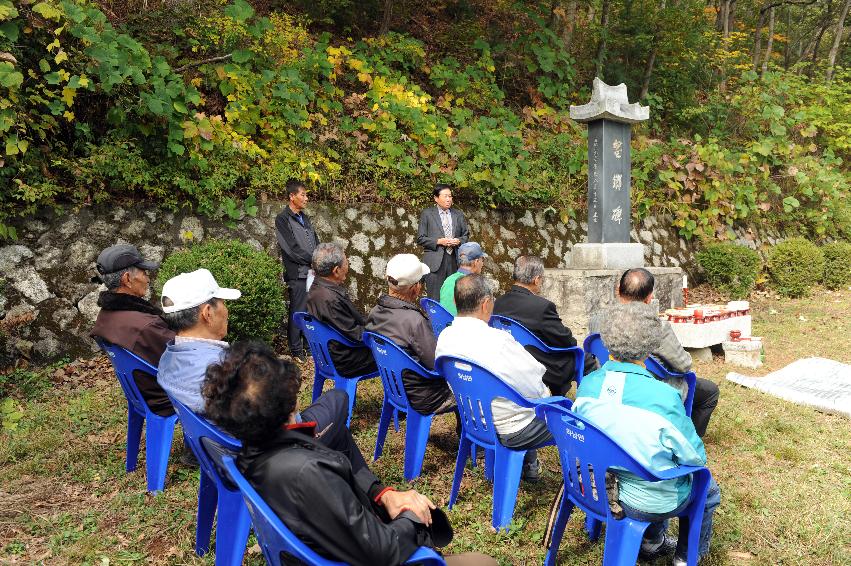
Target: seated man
[128,320]
[398,316]
[524,304]
[331,501]
[472,260]
[470,337]
[646,418]
[328,301]
[636,286]
[194,308]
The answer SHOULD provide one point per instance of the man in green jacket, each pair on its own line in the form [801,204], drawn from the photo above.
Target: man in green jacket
[472,260]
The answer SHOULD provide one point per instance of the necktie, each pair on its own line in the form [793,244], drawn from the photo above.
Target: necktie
[446,220]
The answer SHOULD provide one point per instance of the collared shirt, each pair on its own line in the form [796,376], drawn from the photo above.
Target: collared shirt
[445,216]
[447,290]
[499,353]
[187,339]
[183,368]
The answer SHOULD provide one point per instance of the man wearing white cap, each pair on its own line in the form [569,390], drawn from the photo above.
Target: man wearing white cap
[398,316]
[195,309]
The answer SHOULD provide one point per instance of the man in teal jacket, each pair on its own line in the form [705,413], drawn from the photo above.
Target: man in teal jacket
[472,260]
[647,418]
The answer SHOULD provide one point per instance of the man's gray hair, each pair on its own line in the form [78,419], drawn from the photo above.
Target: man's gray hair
[327,256]
[179,321]
[631,331]
[113,280]
[526,268]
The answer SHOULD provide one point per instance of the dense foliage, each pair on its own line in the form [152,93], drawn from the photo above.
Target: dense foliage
[730,268]
[837,265]
[213,104]
[257,314]
[795,265]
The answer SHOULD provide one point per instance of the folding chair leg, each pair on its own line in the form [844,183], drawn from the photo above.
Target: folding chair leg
[460,462]
[489,458]
[158,436]
[208,497]
[135,422]
[318,383]
[416,437]
[564,511]
[509,466]
[387,413]
[231,529]
[350,386]
[623,539]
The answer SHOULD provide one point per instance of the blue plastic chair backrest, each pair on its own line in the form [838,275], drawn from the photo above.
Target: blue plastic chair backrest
[125,363]
[658,369]
[392,361]
[475,388]
[318,335]
[593,344]
[527,338]
[586,452]
[438,316]
[197,429]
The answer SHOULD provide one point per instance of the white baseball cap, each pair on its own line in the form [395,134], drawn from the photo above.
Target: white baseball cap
[189,290]
[406,269]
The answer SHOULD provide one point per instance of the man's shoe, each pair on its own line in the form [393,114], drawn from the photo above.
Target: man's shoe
[300,356]
[650,551]
[532,471]
[187,457]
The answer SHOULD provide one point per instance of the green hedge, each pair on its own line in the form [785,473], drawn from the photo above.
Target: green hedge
[258,313]
[795,265]
[730,268]
[837,264]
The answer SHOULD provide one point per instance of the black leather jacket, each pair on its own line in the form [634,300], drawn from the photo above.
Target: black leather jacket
[315,493]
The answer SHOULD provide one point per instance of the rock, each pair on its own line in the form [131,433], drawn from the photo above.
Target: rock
[645,236]
[360,242]
[356,264]
[378,243]
[151,252]
[400,212]
[49,258]
[191,230]
[377,266]
[507,234]
[700,354]
[527,219]
[88,305]
[12,256]
[47,346]
[351,214]
[81,254]
[135,229]
[30,284]
[67,227]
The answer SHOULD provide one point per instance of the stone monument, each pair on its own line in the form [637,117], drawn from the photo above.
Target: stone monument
[595,265]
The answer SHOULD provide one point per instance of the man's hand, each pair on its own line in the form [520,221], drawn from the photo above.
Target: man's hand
[448,242]
[397,501]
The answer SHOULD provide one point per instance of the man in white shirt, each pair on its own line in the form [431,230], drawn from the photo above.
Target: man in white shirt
[470,337]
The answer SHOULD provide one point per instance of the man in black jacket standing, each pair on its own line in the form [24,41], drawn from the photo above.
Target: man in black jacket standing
[297,240]
[524,304]
[328,301]
[441,230]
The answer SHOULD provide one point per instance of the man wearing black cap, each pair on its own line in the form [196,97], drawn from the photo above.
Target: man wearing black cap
[128,320]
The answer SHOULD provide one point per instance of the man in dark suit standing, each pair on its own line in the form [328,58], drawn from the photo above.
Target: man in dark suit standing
[297,240]
[524,304]
[442,229]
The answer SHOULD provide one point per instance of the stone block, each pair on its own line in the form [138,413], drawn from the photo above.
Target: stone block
[745,353]
[700,354]
[607,256]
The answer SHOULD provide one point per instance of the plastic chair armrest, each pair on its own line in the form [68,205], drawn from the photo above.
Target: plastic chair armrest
[679,472]
[425,555]
[553,400]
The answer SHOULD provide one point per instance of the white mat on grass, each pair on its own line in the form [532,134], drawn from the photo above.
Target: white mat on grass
[814,382]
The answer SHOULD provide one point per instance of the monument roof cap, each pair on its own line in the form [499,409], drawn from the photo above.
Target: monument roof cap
[610,103]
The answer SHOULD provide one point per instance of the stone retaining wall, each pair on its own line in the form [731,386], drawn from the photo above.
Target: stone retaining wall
[48,302]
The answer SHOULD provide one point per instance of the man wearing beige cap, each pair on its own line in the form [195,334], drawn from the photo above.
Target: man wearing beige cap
[398,316]
[194,307]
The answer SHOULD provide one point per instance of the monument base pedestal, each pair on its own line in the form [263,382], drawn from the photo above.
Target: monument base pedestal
[579,293]
[607,256]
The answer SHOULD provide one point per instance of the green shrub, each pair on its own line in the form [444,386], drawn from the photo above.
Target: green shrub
[795,265]
[837,264]
[258,313]
[730,268]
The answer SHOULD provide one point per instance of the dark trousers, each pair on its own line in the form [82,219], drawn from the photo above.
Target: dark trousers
[330,413]
[297,292]
[705,400]
[434,280]
[532,435]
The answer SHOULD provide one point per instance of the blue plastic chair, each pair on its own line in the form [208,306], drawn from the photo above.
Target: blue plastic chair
[527,339]
[475,388]
[438,316]
[275,538]
[215,493]
[159,431]
[586,452]
[392,361]
[594,344]
[318,335]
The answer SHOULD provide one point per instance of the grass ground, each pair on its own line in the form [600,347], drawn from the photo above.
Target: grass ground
[784,470]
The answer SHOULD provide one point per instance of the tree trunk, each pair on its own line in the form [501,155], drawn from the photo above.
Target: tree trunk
[816,44]
[385,20]
[757,40]
[601,47]
[569,25]
[648,72]
[837,39]
[788,45]
[770,44]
